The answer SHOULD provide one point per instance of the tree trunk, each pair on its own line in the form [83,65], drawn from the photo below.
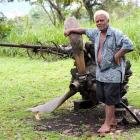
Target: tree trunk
[89,9]
[56,7]
[48,14]
[89,4]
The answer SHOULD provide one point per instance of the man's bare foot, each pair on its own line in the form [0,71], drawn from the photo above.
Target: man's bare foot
[104,129]
[113,122]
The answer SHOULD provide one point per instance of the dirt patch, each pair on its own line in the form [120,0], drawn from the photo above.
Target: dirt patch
[83,122]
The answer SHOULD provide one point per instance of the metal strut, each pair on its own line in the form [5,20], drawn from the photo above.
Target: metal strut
[132,114]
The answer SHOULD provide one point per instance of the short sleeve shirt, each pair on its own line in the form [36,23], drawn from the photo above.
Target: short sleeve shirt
[107,71]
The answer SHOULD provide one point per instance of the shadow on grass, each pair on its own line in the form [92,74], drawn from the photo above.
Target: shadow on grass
[81,122]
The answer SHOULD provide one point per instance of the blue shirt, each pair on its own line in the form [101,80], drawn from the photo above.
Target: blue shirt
[108,71]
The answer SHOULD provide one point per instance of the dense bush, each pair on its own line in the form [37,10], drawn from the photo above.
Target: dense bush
[5,28]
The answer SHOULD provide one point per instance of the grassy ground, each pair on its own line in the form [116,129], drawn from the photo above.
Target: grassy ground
[134,85]
[25,83]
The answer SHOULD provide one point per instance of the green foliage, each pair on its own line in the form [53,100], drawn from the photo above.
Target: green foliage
[4,29]
[110,5]
[30,30]
[134,84]
[130,26]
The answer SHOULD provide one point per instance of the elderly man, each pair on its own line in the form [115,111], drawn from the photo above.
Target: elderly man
[110,47]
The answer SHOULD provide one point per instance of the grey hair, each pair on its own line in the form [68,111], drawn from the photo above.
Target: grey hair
[101,12]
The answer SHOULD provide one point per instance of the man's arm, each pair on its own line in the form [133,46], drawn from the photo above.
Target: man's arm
[120,54]
[75,30]
[126,46]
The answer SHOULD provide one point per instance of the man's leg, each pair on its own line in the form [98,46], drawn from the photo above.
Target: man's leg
[112,97]
[109,119]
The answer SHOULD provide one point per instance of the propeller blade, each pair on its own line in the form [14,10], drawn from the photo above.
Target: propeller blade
[52,105]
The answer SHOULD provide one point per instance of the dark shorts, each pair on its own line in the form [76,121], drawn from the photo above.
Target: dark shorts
[108,93]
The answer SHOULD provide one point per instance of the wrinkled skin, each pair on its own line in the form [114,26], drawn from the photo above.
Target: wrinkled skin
[101,22]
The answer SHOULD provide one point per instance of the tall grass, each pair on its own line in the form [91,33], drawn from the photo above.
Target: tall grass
[131,27]
[31,34]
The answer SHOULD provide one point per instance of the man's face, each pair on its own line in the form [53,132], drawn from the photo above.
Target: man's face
[101,22]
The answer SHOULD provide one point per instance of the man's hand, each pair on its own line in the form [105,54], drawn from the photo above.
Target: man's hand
[79,31]
[119,55]
[66,32]
[117,59]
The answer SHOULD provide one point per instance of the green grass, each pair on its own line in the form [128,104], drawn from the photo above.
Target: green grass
[25,83]
[134,84]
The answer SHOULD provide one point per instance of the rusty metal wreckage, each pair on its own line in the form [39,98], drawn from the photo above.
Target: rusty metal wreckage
[83,74]
[42,49]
